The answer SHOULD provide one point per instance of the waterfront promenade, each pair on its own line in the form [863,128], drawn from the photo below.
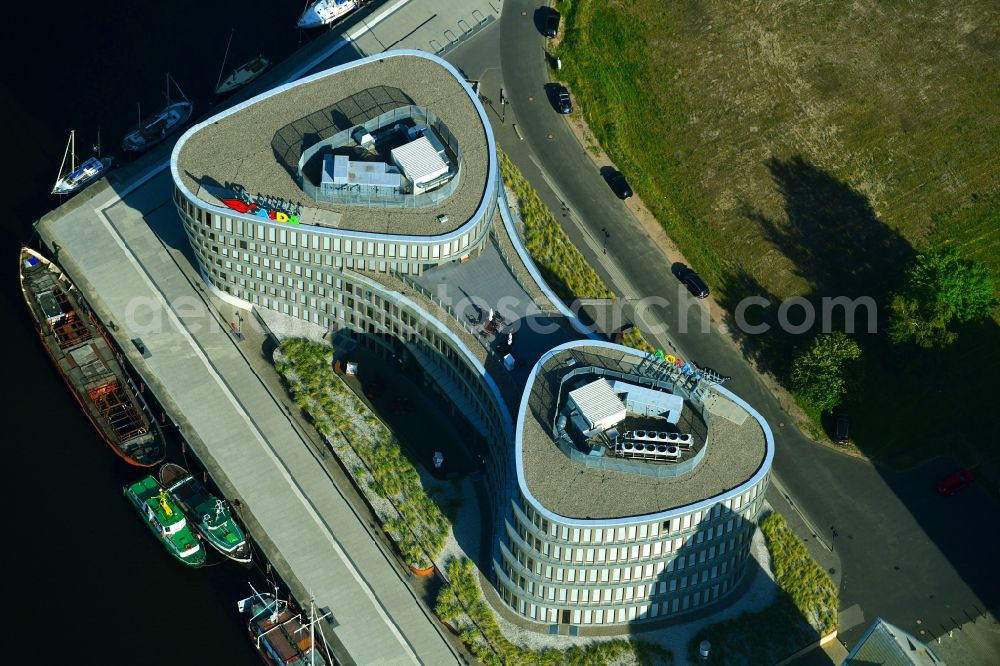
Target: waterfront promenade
[235,426]
[111,240]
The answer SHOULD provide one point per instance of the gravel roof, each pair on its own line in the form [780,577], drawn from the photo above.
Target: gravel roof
[736,450]
[240,148]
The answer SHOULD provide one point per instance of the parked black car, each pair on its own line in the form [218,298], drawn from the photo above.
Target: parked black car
[551,26]
[619,185]
[563,103]
[842,429]
[693,282]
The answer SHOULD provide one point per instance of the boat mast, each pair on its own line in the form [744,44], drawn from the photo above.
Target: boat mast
[169,79]
[226,55]
[71,152]
[312,632]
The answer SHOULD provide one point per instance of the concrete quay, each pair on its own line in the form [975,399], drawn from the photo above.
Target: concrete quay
[236,427]
[115,242]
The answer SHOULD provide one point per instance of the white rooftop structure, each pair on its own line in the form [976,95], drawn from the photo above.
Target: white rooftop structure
[598,404]
[339,171]
[420,162]
[649,402]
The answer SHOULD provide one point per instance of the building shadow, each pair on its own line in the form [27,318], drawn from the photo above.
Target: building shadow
[908,405]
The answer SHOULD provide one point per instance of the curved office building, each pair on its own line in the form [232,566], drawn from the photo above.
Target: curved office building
[359,199]
[638,487]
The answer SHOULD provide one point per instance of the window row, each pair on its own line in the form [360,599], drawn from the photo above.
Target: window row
[612,616]
[292,238]
[551,531]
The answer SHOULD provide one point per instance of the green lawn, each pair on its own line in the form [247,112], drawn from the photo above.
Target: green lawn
[811,148]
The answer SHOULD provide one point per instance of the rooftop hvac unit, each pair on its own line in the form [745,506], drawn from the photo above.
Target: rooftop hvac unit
[647,451]
[683,440]
[362,137]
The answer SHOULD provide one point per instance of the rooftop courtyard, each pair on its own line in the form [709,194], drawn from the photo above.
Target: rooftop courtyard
[256,146]
[583,478]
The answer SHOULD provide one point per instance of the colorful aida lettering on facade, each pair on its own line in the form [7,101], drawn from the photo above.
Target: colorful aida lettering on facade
[241,206]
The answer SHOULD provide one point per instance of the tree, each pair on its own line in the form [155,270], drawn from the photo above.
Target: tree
[820,373]
[941,286]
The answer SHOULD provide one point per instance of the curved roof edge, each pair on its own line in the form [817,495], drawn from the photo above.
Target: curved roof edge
[762,470]
[492,173]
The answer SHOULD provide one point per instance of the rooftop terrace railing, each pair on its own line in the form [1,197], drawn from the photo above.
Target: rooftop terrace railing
[382,197]
[565,443]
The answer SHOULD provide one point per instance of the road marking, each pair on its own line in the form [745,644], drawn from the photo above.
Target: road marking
[617,277]
[788,498]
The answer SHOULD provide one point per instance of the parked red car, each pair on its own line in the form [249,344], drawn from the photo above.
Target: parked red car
[955,482]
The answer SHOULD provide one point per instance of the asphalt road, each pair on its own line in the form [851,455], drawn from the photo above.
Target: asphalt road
[899,550]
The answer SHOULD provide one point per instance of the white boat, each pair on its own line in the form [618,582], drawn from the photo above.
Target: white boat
[325,12]
[243,75]
[78,177]
[159,126]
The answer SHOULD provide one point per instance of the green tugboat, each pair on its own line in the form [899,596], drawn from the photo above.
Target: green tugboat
[165,518]
[209,514]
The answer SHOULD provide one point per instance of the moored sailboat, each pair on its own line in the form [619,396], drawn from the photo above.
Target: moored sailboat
[243,74]
[159,126]
[77,344]
[209,514]
[166,520]
[326,12]
[78,177]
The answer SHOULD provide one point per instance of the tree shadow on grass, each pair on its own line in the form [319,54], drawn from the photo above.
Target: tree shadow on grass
[839,246]
[771,348]
[910,404]
[832,234]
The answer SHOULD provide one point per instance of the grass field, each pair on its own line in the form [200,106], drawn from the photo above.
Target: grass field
[812,147]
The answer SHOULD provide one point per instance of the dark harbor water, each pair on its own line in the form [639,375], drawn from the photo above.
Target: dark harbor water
[85,572]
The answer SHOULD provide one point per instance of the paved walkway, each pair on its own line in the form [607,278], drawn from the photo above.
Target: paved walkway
[236,427]
[245,437]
